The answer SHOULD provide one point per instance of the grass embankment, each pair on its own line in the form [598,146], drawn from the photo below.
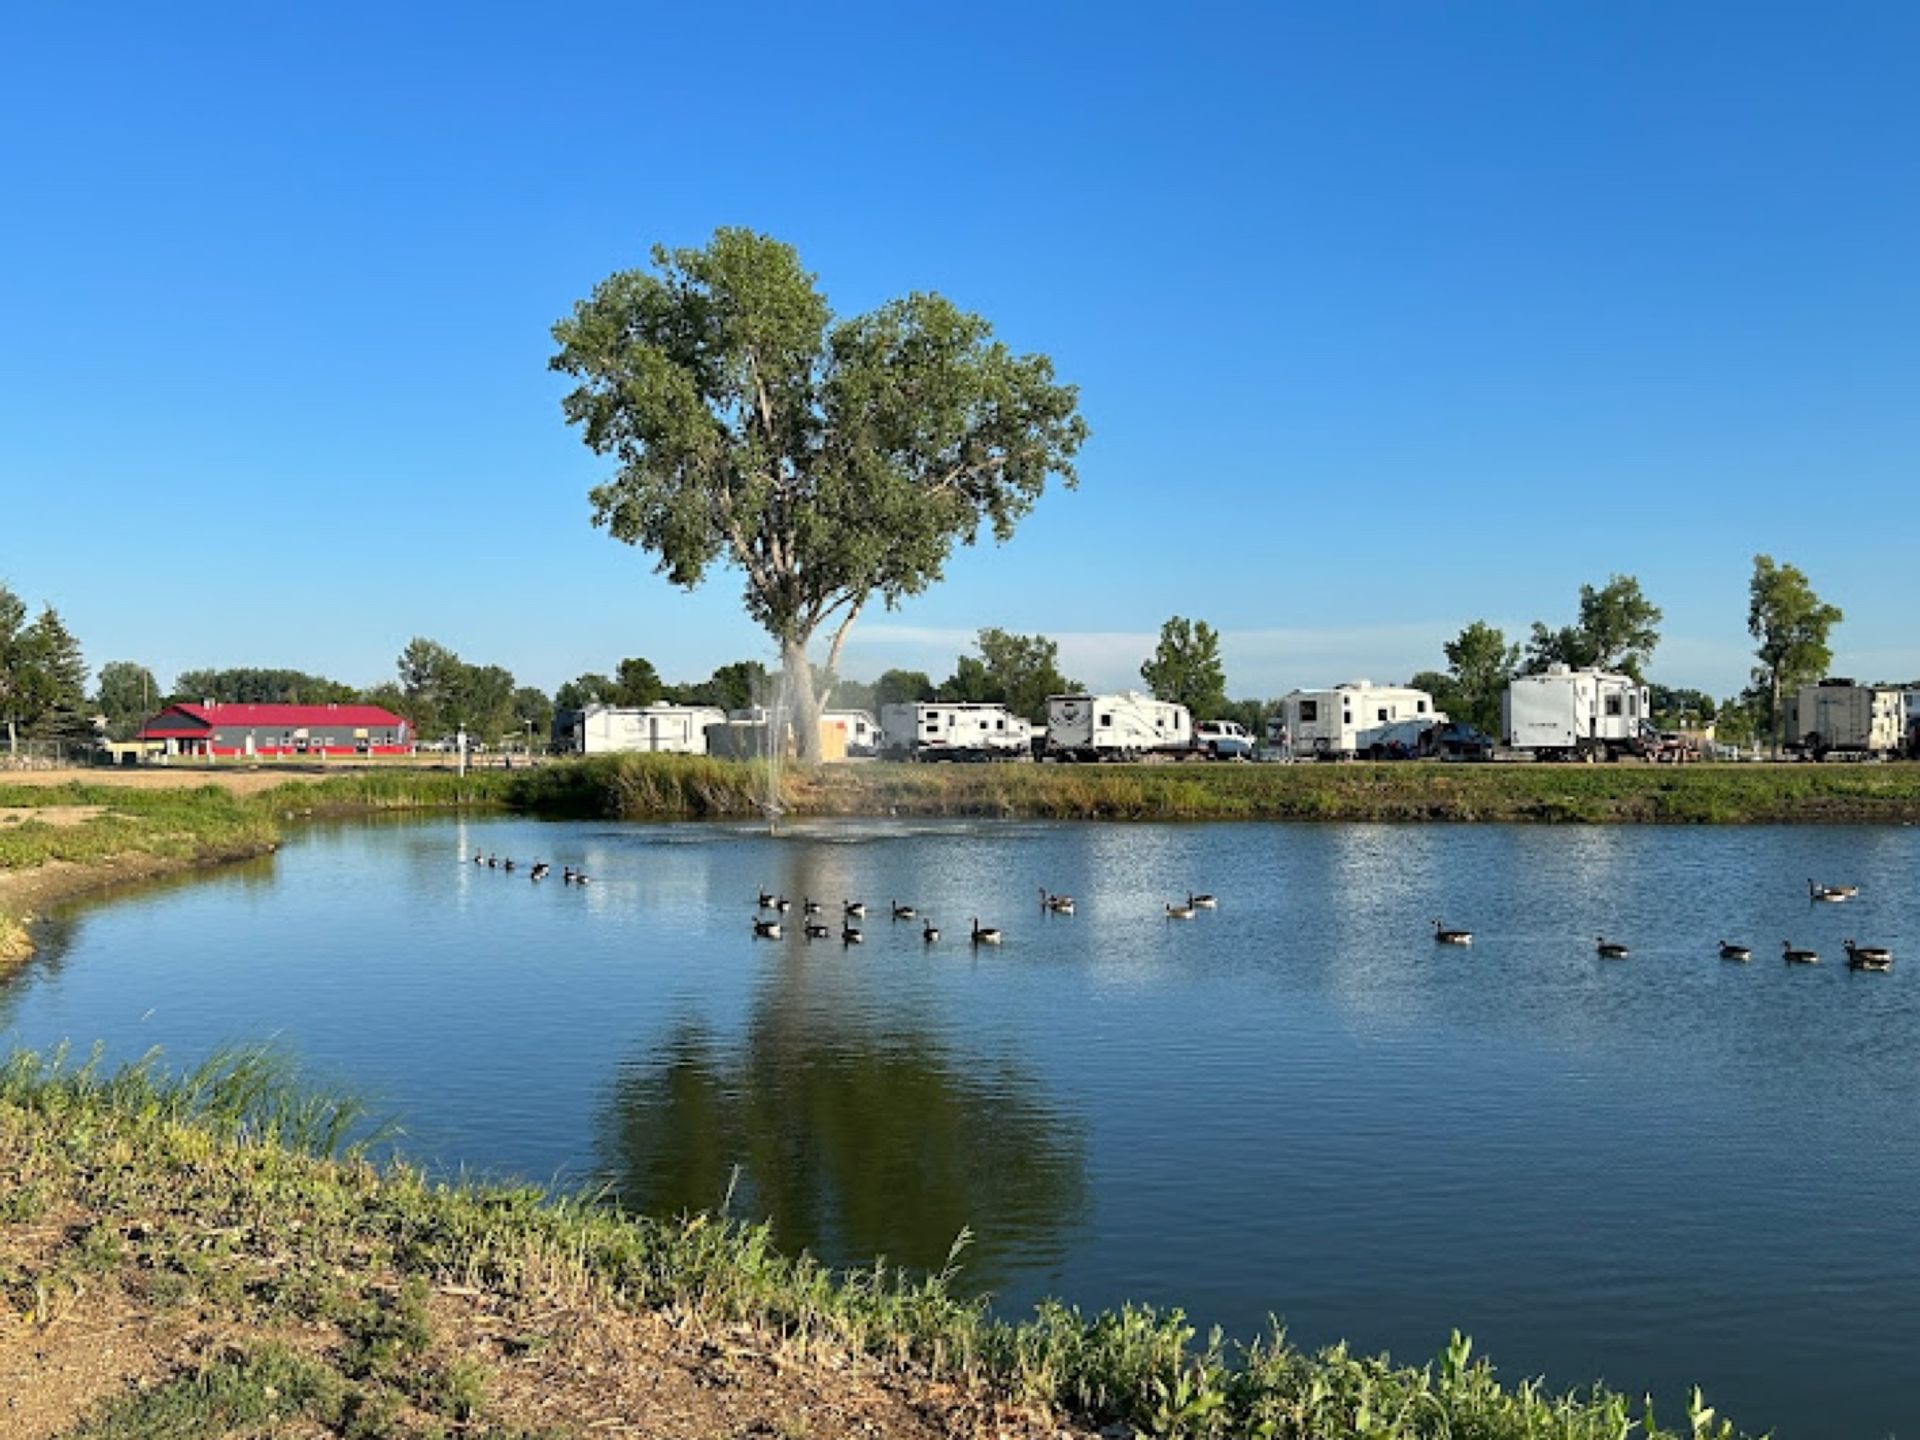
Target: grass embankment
[277,1284]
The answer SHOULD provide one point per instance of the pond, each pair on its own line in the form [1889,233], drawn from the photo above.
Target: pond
[1651,1171]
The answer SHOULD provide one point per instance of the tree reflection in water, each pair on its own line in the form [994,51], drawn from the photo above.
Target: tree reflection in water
[853,1147]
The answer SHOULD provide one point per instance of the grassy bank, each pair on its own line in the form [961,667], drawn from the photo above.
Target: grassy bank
[364,1301]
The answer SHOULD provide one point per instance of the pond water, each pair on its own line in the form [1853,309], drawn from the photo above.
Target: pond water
[1650,1171]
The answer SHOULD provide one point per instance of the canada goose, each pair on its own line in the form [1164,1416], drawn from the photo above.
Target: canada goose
[1798,957]
[1730,951]
[1181,912]
[765,929]
[782,905]
[809,907]
[492,863]
[984,935]
[1451,937]
[1831,894]
[1868,957]
[854,909]
[850,936]
[478,859]
[1058,904]
[903,912]
[929,932]
[766,901]
[1612,949]
[1203,902]
[541,869]
[818,929]
[507,865]
[580,877]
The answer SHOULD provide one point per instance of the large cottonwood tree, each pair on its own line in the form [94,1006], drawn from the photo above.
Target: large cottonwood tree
[1790,625]
[832,462]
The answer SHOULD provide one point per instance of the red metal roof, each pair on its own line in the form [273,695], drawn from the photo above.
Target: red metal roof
[277,717]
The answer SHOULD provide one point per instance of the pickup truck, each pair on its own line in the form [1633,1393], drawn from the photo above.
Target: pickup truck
[1223,740]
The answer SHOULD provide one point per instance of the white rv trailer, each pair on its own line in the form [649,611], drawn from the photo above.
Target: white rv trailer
[1842,718]
[675,729]
[863,734]
[944,730]
[1115,727]
[1567,714]
[1358,718]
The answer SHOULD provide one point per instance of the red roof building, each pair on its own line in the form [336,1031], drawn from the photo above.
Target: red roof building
[280,730]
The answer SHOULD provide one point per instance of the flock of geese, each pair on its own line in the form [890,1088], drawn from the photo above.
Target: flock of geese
[768,925]
[1859,957]
[539,870]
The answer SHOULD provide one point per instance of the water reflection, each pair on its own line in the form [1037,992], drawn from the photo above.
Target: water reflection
[853,1143]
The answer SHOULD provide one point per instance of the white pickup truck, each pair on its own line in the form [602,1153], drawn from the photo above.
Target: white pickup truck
[1223,740]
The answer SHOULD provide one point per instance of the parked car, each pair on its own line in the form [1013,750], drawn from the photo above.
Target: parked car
[1223,740]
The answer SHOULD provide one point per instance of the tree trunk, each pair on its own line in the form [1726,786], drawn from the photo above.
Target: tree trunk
[803,709]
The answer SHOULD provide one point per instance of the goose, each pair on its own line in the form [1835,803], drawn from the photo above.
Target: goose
[1445,936]
[765,929]
[1611,949]
[541,869]
[854,909]
[1731,951]
[507,865]
[1831,894]
[809,907]
[903,912]
[984,935]
[782,905]
[818,929]
[929,932]
[850,936]
[1058,904]
[580,877]
[493,863]
[1181,912]
[478,859]
[1868,957]
[766,900]
[1798,957]
[1203,902]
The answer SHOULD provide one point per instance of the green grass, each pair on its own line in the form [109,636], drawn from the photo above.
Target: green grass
[204,1184]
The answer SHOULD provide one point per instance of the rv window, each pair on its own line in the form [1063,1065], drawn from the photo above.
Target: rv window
[1613,704]
[999,724]
[1420,707]
[1309,711]
[1382,712]
[1106,719]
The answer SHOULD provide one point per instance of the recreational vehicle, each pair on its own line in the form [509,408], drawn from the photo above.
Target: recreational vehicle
[676,729]
[1839,717]
[861,733]
[940,730]
[1359,719]
[1115,727]
[1568,714]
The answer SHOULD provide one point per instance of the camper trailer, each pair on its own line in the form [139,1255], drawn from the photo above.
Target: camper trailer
[1357,719]
[1838,717]
[941,730]
[675,729]
[1567,714]
[1115,727]
[861,733]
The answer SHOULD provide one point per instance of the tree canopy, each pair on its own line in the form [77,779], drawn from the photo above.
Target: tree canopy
[1186,670]
[831,462]
[128,696]
[255,685]
[43,677]
[1791,625]
[1017,671]
[1617,629]
[1480,665]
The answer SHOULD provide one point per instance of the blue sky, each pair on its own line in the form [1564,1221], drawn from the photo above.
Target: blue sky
[1386,317]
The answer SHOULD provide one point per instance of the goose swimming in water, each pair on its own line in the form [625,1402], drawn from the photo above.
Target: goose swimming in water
[818,929]
[1731,951]
[765,929]
[854,909]
[541,869]
[782,905]
[809,906]
[1445,936]
[850,936]
[766,901]
[903,912]
[929,932]
[1181,912]
[1612,949]
[1057,904]
[1202,902]
[1868,957]
[984,934]
[1798,957]
[1831,894]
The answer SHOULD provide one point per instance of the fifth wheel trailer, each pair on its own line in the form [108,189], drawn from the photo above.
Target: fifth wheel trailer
[1358,718]
[938,730]
[1568,714]
[1838,717]
[1115,727]
[678,729]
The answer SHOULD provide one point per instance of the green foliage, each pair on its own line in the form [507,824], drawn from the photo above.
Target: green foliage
[1791,625]
[636,683]
[128,696]
[1616,630]
[1480,664]
[249,685]
[589,689]
[902,687]
[43,679]
[831,463]
[1017,671]
[1681,709]
[443,694]
[1186,668]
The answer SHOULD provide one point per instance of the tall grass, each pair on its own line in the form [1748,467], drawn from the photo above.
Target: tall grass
[165,1166]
